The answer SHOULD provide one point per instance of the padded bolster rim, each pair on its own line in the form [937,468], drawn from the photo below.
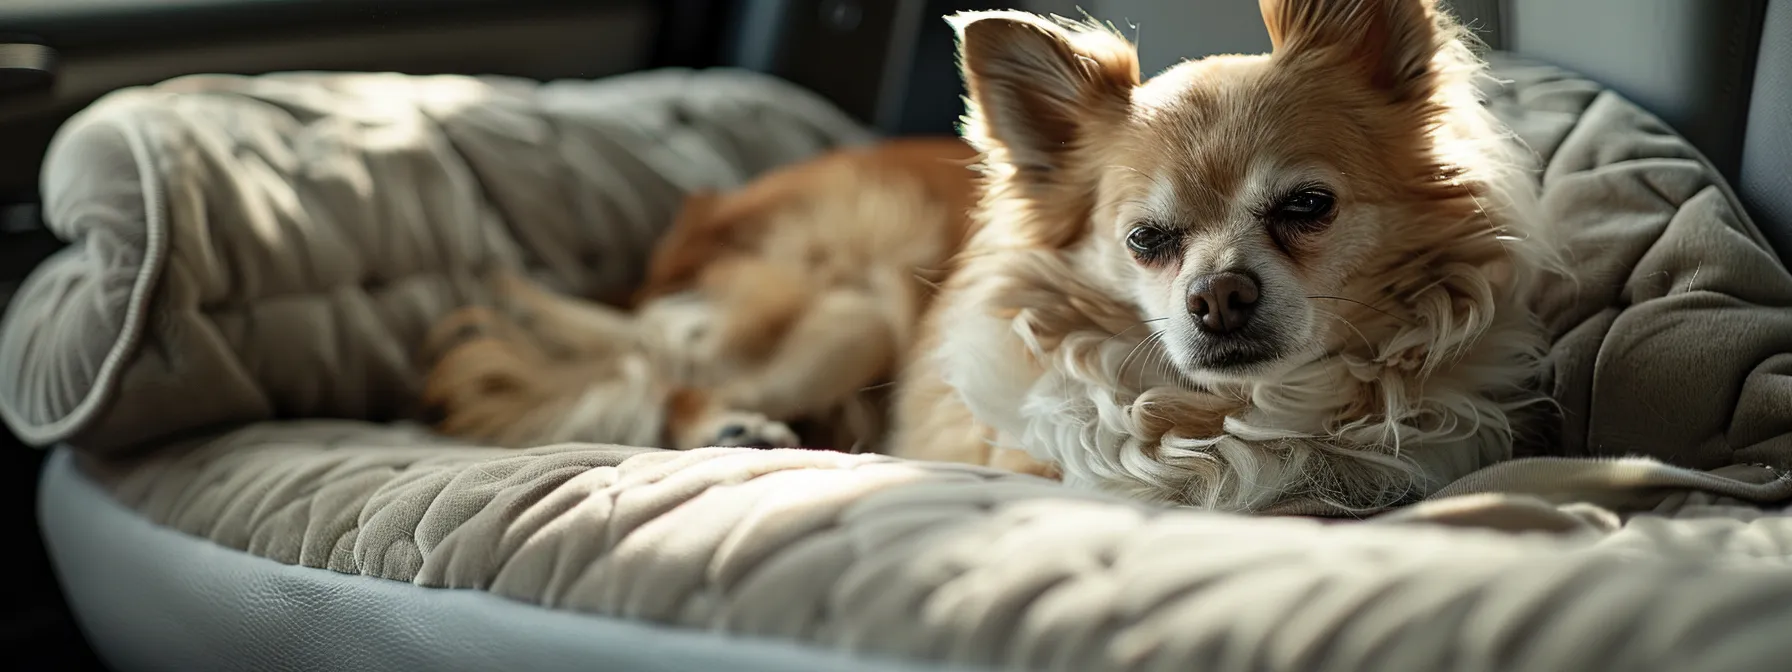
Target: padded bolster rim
[85,338]
[41,424]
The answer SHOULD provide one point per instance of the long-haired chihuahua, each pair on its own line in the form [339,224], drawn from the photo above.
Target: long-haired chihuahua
[1296,281]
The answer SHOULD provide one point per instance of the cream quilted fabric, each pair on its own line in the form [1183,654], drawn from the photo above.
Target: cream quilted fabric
[954,563]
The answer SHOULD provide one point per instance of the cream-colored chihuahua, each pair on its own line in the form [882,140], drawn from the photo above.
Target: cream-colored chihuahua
[1292,281]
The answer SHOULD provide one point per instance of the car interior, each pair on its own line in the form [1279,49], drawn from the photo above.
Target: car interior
[1718,74]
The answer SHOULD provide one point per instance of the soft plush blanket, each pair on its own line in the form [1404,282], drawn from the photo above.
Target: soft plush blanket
[252,248]
[1675,341]
[268,249]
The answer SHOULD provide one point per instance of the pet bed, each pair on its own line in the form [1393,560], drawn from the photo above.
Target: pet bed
[224,359]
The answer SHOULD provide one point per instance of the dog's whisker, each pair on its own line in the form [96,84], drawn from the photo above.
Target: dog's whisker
[1348,323]
[1141,323]
[1127,360]
[1165,367]
[1148,364]
[1136,349]
[1329,297]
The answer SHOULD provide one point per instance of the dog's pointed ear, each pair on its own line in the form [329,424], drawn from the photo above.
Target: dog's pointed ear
[1392,43]
[1037,84]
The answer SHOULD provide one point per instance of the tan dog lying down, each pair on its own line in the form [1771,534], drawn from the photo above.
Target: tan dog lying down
[1302,276]
[789,302]
[1248,280]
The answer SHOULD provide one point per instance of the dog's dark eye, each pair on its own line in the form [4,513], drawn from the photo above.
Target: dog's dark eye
[1301,212]
[1311,204]
[1149,241]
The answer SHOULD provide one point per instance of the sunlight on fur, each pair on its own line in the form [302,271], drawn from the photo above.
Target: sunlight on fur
[1372,233]
[786,304]
[1297,282]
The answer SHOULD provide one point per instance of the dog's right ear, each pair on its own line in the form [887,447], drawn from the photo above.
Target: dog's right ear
[1037,84]
[1391,43]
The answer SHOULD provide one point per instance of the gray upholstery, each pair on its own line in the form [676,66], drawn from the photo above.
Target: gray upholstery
[178,602]
[1718,71]
[1685,60]
[1766,182]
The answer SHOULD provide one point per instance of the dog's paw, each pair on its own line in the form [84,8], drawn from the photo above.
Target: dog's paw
[734,429]
[458,328]
[483,390]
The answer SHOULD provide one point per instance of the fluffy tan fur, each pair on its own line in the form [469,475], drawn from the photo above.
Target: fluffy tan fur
[1393,344]
[789,301]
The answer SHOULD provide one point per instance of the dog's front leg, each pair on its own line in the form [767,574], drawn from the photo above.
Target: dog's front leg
[960,398]
[840,344]
[566,326]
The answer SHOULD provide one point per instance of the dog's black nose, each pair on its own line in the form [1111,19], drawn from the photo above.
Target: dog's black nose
[1222,302]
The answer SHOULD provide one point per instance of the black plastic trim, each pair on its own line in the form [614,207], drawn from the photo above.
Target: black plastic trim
[24,242]
[115,24]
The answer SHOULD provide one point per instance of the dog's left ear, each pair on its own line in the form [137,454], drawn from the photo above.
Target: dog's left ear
[1038,85]
[1392,43]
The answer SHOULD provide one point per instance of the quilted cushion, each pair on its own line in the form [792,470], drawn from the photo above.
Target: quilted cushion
[248,248]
